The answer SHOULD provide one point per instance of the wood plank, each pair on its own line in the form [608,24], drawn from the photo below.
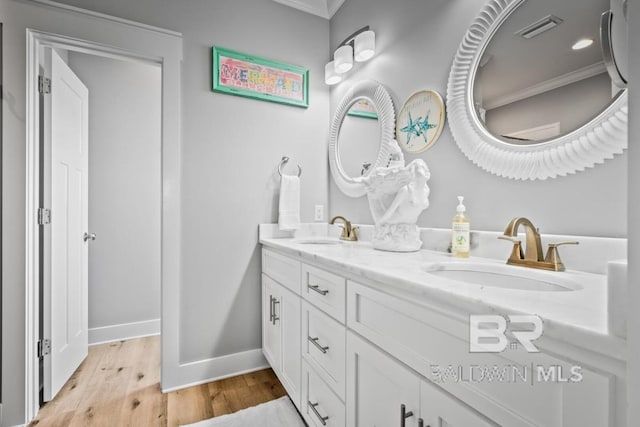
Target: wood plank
[119,385]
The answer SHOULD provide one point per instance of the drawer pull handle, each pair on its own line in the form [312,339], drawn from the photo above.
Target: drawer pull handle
[322,419]
[421,422]
[316,288]
[314,341]
[404,415]
[275,316]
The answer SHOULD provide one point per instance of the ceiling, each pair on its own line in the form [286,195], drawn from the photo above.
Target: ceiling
[323,8]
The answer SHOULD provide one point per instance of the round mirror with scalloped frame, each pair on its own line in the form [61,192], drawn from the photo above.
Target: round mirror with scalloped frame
[347,172]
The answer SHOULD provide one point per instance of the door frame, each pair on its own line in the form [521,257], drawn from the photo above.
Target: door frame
[170,198]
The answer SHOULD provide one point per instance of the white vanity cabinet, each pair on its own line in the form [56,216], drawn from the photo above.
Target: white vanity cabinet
[303,335]
[323,347]
[506,388]
[385,392]
[281,321]
[359,353]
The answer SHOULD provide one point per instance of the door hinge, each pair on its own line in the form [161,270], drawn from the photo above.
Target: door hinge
[44,348]
[44,216]
[44,85]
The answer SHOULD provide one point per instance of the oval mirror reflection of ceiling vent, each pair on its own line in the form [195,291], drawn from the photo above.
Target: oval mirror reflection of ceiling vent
[539,27]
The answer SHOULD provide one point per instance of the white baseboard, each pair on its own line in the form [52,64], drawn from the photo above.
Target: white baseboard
[218,368]
[124,331]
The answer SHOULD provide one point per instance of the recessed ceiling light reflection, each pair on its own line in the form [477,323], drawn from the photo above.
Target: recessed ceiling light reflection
[582,43]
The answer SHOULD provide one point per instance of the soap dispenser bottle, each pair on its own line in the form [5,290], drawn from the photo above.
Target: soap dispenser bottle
[460,232]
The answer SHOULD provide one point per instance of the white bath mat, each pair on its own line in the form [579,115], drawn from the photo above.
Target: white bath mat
[276,413]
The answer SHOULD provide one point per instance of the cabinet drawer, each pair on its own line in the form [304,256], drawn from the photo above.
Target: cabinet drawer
[323,346]
[437,347]
[282,269]
[320,406]
[324,290]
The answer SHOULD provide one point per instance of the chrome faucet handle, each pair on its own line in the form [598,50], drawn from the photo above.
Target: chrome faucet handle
[553,257]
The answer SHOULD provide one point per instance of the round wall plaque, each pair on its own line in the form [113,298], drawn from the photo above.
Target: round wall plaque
[420,121]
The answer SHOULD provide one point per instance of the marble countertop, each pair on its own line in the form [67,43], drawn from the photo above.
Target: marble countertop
[576,317]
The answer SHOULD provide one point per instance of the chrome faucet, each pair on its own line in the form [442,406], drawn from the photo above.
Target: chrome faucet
[348,231]
[532,256]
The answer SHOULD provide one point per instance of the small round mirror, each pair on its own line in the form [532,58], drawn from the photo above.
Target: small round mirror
[362,129]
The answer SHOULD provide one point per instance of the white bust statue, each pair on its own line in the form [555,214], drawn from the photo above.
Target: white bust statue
[397,196]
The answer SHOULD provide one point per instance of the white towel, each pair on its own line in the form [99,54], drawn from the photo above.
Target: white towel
[289,209]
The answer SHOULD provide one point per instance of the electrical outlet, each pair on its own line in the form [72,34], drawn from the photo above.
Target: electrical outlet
[319,213]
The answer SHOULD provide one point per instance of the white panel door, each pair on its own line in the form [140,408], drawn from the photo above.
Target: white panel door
[288,315]
[379,387]
[271,334]
[66,302]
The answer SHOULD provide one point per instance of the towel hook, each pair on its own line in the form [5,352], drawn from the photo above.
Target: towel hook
[284,160]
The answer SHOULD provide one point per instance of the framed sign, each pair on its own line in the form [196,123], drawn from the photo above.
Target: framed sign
[420,121]
[237,73]
[363,108]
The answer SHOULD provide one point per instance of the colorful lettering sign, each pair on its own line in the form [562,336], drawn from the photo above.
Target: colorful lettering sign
[240,74]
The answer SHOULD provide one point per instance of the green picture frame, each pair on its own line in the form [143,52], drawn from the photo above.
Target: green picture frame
[363,108]
[237,73]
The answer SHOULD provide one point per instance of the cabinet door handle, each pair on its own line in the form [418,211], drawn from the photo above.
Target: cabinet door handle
[322,419]
[275,316]
[316,288]
[271,309]
[421,422]
[404,415]
[314,341]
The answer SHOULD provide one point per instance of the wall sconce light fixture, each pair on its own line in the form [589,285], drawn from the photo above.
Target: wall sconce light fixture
[360,46]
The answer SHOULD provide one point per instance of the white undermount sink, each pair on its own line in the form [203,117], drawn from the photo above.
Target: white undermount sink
[504,276]
[317,240]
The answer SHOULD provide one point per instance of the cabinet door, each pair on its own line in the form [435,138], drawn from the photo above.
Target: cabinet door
[271,340]
[377,387]
[287,310]
[439,409]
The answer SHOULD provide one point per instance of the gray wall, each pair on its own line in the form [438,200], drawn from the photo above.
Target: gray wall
[416,43]
[124,189]
[571,105]
[231,148]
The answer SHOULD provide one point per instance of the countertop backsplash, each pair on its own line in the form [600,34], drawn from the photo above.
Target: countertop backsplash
[592,255]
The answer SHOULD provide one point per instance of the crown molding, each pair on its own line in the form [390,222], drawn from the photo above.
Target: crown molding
[322,8]
[546,86]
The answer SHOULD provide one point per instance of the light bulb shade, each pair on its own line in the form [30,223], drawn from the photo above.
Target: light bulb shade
[365,46]
[330,75]
[343,58]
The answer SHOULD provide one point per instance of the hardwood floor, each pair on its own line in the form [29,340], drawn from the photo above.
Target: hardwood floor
[118,385]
